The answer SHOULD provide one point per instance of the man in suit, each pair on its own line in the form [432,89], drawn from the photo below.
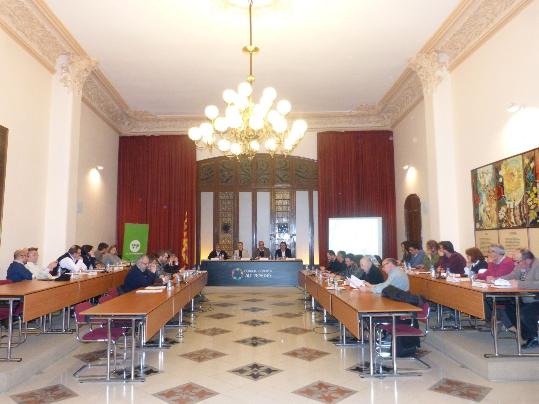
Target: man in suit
[283,252]
[218,253]
[240,252]
[261,251]
[17,271]
[372,273]
[71,261]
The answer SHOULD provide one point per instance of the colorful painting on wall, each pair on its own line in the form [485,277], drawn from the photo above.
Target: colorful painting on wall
[505,193]
[531,178]
[485,207]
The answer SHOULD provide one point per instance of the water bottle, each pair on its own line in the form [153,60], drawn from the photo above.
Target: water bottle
[107,268]
[432,272]
[169,285]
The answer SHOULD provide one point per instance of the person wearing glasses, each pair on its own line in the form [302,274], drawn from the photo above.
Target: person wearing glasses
[142,274]
[499,264]
[166,264]
[395,277]
[283,252]
[17,272]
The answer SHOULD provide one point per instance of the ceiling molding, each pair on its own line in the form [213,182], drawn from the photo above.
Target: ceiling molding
[33,25]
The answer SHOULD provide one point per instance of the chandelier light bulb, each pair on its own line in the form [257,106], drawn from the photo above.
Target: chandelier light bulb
[254,145]
[284,107]
[223,145]
[211,112]
[234,121]
[235,148]
[280,125]
[259,111]
[269,93]
[229,96]
[256,123]
[242,103]
[231,111]
[206,129]
[288,145]
[195,134]
[271,144]
[273,116]
[245,89]
[300,126]
[220,124]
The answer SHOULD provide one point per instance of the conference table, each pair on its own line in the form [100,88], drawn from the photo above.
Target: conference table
[153,309]
[248,272]
[40,297]
[351,307]
[460,294]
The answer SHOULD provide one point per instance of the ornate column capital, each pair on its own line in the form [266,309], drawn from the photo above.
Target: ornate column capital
[74,70]
[429,69]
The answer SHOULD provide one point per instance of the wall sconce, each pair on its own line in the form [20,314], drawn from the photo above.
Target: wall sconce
[99,168]
[514,107]
[405,167]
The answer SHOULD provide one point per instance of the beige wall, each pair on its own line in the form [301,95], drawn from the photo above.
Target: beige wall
[25,92]
[409,137]
[96,190]
[502,71]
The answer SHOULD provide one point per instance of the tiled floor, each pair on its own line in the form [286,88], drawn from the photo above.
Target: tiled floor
[284,358]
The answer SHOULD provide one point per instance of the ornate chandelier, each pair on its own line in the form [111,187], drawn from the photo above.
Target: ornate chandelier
[246,127]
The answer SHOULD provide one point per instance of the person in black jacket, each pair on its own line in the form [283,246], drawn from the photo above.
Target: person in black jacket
[476,260]
[372,273]
[283,252]
[218,253]
[88,256]
[140,275]
[167,263]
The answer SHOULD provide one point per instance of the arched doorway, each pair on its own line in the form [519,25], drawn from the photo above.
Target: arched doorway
[412,218]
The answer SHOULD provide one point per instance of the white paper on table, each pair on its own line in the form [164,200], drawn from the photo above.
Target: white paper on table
[214,259]
[502,282]
[356,283]
[482,271]
[479,284]
[245,259]
[263,259]
[157,287]
[149,291]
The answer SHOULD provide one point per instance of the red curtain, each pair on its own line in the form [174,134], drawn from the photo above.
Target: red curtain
[156,185]
[356,178]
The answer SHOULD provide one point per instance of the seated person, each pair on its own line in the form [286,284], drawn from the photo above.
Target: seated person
[499,264]
[283,252]
[16,271]
[450,259]
[476,261]
[142,274]
[417,255]
[331,259]
[166,264]
[395,276]
[261,251]
[240,252]
[218,252]
[71,261]
[88,256]
[340,266]
[111,256]
[431,255]
[371,273]
[405,252]
[525,276]
[37,270]
[351,268]
[102,249]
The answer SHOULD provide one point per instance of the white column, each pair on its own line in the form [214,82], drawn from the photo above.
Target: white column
[440,143]
[63,152]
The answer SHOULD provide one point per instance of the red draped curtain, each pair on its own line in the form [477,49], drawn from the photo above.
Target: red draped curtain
[157,185]
[356,178]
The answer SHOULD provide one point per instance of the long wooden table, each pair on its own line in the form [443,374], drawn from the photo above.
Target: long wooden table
[350,307]
[43,297]
[464,297]
[154,310]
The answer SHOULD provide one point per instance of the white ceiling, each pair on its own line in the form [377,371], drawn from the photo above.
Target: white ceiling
[177,56]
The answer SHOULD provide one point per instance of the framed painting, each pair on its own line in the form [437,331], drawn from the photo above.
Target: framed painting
[485,198]
[531,178]
[510,190]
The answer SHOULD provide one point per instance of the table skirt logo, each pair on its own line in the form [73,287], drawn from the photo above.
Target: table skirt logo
[134,246]
[237,274]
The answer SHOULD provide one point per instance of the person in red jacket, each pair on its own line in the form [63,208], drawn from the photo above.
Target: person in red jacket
[499,265]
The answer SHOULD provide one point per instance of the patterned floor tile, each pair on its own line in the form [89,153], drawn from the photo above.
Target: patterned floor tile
[460,389]
[50,394]
[288,315]
[223,304]
[185,394]
[254,341]
[421,352]
[255,371]
[254,322]
[93,356]
[295,330]
[283,304]
[254,309]
[365,367]
[307,354]
[212,332]
[219,316]
[146,371]
[203,355]
[325,392]
[253,300]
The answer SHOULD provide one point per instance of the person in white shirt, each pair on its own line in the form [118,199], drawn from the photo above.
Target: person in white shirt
[71,261]
[38,271]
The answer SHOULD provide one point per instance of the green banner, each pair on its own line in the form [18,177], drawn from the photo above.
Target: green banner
[135,241]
